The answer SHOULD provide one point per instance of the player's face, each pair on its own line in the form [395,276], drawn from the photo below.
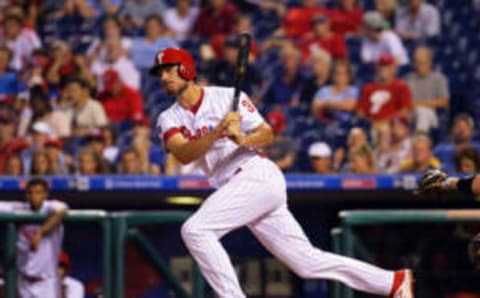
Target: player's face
[36,195]
[171,81]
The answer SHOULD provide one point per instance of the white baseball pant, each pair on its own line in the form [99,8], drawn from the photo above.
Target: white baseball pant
[48,287]
[256,197]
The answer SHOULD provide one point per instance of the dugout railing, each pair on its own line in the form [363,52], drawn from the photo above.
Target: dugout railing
[117,228]
[345,240]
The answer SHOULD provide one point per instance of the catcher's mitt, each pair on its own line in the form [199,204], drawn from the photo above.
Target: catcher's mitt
[433,181]
[474,251]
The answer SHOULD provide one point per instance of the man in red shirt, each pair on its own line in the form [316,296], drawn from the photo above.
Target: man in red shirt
[121,103]
[323,37]
[347,17]
[387,97]
[297,19]
[216,18]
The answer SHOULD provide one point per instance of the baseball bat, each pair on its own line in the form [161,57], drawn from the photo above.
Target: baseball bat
[242,62]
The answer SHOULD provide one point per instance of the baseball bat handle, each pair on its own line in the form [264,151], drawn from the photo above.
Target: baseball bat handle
[242,62]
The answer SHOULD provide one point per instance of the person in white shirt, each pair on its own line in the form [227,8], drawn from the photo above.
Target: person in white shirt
[378,40]
[181,19]
[418,20]
[21,41]
[38,246]
[71,287]
[116,59]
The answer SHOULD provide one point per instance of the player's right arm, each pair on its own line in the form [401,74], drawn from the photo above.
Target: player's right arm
[436,180]
[187,151]
[470,185]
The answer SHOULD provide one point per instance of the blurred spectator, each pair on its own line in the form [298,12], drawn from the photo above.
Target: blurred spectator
[336,102]
[13,166]
[320,156]
[174,168]
[111,29]
[463,131]
[386,97]
[62,62]
[104,7]
[62,163]
[429,90]
[467,161]
[21,41]
[417,20]
[321,62]
[96,142]
[121,103]
[90,163]
[387,9]
[346,17]
[361,161]
[284,89]
[71,287]
[297,20]
[41,110]
[323,37]
[395,148]
[40,132]
[110,153]
[9,82]
[144,49]
[217,17]
[422,156]
[117,59]
[223,72]
[357,139]
[129,164]
[143,147]
[76,8]
[378,40]
[84,112]
[41,164]
[136,11]
[181,19]
[8,143]
[282,150]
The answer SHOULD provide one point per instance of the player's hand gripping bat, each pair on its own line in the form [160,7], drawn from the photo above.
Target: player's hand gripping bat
[242,62]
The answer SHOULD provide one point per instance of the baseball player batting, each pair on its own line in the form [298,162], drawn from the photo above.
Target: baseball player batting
[38,246]
[251,190]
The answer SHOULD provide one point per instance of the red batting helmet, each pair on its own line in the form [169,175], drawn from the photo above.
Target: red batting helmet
[175,56]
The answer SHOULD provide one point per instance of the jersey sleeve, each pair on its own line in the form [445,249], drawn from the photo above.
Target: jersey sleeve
[53,206]
[251,118]
[166,128]
[10,207]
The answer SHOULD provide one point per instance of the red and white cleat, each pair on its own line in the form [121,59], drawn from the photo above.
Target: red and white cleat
[403,285]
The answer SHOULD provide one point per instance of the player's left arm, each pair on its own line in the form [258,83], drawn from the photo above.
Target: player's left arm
[54,219]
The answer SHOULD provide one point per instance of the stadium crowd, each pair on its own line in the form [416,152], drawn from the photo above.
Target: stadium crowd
[348,86]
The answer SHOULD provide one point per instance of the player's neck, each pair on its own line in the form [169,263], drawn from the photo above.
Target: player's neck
[190,96]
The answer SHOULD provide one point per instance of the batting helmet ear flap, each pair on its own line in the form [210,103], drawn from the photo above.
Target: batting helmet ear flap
[186,71]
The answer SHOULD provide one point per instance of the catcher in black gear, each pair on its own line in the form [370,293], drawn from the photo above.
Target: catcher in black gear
[436,182]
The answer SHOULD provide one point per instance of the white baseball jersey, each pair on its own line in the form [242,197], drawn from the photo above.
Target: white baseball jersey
[72,288]
[41,263]
[225,157]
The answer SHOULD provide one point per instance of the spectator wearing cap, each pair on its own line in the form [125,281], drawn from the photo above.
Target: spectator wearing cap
[463,132]
[223,72]
[378,40]
[111,29]
[39,133]
[285,87]
[83,112]
[181,19]
[429,88]
[96,142]
[121,102]
[8,143]
[395,148]
[282,150]
[422,157]
[134,13]
[13,166]
[346,17]
[321,64]
[9,82]
[22,42]
[71,287]
[417,20]
[467,161]
[145,49]
[118,60]
[41,110]
[323,37]
[320,156]
[361,161]
[90,163]
[297,20]
[336,102]
[217,17]
[386,97]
